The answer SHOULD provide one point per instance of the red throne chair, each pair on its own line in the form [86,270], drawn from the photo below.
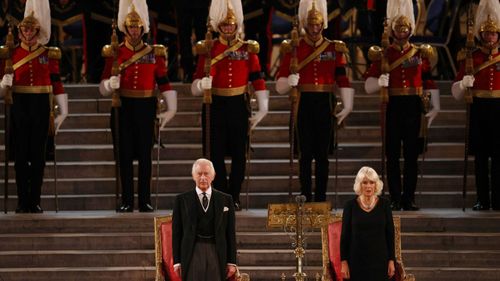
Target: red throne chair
[330,236]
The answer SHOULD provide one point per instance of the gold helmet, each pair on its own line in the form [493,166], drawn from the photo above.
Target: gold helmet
[30,21]
[402,24]
[487,17]
[226,12]
[133,13]
[37,16]
[400,15]
[313,12]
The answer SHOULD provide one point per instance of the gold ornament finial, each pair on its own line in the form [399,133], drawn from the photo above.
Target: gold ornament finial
[314,16]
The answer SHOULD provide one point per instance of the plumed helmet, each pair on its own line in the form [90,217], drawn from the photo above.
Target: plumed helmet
[226,12]
[133,13]
[400,15]
[487,17]
[313,11]
[37,16]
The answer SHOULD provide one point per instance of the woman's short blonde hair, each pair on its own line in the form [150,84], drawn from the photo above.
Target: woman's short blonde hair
[370,174]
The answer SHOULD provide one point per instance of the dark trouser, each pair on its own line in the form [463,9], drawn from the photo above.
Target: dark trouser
[137,117]
[30,124]
[485,144]
[403,126]
[229,136]
[482,172]
[187,19]
[204,265]
[314,129]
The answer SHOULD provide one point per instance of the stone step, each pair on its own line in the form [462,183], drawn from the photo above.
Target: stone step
[262,167]
[86,91]
[268,134]
[452,258]
[475,241]
[426,221]
[127,273]
[280,103]
[104,152]
[425,200]
[76,241]
[76,258]
[82,186]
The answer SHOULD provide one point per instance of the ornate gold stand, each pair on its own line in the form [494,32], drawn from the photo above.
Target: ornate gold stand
[295,219]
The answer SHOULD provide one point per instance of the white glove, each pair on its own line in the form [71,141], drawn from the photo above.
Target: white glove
[383,80]
[282,86]
[457,91]
[263,100]
[62,103]
[108,85]
[371,85]
[171,98]
[6,81]
[293,80]
[436,106]
[347,96]
[467,82]
[206,83]
[200,85]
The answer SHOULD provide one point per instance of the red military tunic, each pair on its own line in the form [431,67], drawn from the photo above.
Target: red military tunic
[139,79]
[409,70]
[322,73]
[484,136]
[407,75]
[39,75]
[486,80]
[234,65]
[231,73]
[316,107]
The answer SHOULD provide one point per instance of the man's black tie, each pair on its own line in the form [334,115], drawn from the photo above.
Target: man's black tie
[204,201]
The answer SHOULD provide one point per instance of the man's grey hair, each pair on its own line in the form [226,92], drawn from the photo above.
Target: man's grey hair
[202,161]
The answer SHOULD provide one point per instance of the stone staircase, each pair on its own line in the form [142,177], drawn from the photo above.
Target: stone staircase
[87,240]
[438,244]
[86,167]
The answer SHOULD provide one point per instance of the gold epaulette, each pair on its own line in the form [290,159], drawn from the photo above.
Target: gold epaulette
[375,53]
[427,51]
[252,46]
[462,54]
[201,48]
[286,46]
[160,50]
[107,51]
[54,53]
[4,52]
[340,46]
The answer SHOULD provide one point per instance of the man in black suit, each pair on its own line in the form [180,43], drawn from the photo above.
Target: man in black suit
[203,229]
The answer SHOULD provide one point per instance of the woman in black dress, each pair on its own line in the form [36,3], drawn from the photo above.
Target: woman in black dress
[367,240]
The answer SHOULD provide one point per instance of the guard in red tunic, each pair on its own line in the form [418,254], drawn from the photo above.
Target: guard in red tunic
[321,65]
[142,68]
[234,63]
[483,83]
[35,78]
[410,81]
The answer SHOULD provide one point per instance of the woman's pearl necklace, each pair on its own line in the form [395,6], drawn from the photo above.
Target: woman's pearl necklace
[367,206]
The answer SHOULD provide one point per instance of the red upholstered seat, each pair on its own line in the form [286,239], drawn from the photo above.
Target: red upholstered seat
[331,248]
[163,247]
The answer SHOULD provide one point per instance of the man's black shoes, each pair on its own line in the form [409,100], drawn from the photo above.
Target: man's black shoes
[410,206]
[395,206]
[237,206]
[125,209]
[146,208]
[480,207]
